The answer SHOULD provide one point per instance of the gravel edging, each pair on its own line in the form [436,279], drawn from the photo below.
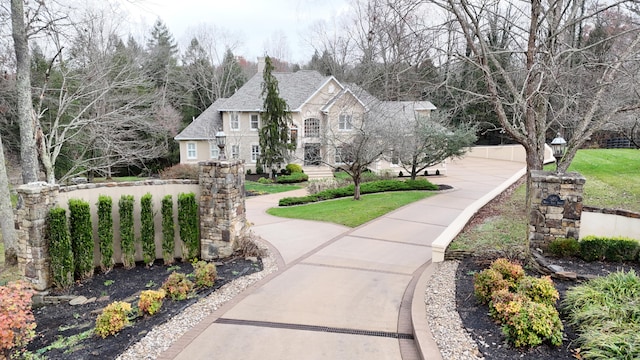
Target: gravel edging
[163,336]
[442,316]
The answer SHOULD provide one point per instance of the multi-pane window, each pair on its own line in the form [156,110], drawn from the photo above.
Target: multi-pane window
[312,127]
[234,122]
[214,150]
[254,122]
[344,122]
[293,135]
[191,151]
[255,153]
[235,151]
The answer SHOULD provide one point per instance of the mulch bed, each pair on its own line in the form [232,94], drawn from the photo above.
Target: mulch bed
[487,333]
[66,321]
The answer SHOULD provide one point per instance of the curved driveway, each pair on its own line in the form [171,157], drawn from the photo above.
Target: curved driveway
[343,293]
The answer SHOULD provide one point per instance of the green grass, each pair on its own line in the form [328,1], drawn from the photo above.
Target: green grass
[613,177]
[506,231]
[351,212]
[119,179]
[256,187]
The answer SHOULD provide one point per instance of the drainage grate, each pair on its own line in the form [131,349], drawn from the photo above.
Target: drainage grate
[315,328]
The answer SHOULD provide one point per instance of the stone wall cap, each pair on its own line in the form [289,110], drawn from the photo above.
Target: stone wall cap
[553,177]
[37,186]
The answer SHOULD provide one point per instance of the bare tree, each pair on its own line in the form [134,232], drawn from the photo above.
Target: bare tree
[428,139]
[554,78]
[6,215]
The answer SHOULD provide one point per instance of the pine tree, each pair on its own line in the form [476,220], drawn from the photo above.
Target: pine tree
[274,133]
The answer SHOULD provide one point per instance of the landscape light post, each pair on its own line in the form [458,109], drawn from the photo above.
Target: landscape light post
[558,145]
[221,140]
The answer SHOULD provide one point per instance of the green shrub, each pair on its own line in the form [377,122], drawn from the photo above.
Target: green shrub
[17,327]
[605,313]
[540,290]
[168,233]
[113,318]
[105,232]
[177,286]
[60,251]
[615,249]
[293,168]
[150,301]
[204,273]
[564,247]
[147,229]
[81,237]
[365,188]
[265,181]
[529,323]
[248,171]
[293,178]
[188,223]
[125,208]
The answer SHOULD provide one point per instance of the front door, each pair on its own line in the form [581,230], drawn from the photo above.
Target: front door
[312,154]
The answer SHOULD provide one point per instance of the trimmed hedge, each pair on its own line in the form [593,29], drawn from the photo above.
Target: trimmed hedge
[293,168]
[168,234]
[60,251]
[188,223]
[616,249]
[125,207]
[565,247]
[147,229]
[81,238]
[365,188]
[295,177]
[105,232]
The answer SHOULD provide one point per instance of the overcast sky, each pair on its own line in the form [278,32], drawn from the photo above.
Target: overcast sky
[254,21]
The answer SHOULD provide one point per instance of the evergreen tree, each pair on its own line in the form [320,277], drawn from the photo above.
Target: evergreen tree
[274,133]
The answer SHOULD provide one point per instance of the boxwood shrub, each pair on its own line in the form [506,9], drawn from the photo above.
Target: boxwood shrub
[365,188]
[564,247]
[60,251]
[594,248]
[81,237]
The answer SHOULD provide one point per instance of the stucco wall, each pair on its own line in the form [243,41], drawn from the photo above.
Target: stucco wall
[158,190]
[610,223]
[506,152]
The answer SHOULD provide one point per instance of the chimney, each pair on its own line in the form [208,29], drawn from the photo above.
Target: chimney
[261,64]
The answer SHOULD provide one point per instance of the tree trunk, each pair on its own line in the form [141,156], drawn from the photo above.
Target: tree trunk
[6,216]
[356,187]
[26,114]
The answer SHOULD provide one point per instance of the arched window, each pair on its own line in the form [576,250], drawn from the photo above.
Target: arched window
[312,127]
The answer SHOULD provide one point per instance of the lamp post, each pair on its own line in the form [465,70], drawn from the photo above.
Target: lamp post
[558,145]
[221,140]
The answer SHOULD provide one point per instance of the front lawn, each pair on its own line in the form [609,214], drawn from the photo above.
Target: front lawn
[349,212]
[257,188]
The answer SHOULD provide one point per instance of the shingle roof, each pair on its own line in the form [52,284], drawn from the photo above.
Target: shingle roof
[205,125]
[295,88]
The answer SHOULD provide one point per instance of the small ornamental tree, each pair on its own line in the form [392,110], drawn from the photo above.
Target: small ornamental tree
[105,232]
[168,234]
[188,223]
[126,231]
[147,229]
[274,131]
[60,251]
[81,237]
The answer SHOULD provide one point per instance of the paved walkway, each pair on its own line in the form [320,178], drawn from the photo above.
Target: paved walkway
[343,293]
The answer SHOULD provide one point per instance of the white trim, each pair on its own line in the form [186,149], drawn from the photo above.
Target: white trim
[194,150]
[252,153]
[334,100]
[231,115]
[348,123]
[237,154]
[213,146]
[251,122]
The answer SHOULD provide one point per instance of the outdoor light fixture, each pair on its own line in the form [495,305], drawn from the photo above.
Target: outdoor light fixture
[221,140]
[558,145]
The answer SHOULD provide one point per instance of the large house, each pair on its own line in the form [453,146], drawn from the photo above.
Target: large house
[321,107]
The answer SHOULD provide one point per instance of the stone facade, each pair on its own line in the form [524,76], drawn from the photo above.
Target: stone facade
[222,208]
[34,202]
[556,207]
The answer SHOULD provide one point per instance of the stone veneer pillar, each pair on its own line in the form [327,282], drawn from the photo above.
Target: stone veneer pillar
[222,207]
[556,207]
[34,202]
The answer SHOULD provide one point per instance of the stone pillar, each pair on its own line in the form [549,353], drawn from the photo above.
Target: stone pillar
[556,207]
[34,202]
[223,218]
